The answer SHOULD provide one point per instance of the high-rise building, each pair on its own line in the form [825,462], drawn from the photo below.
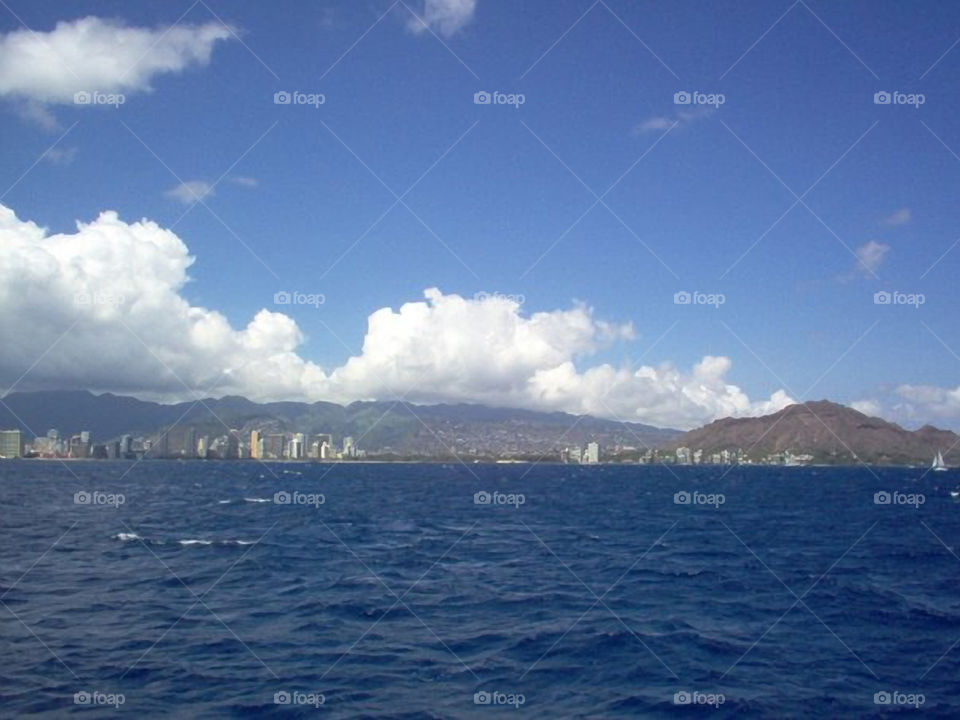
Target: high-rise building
[177,442]
[592,455]
[79,448]
[11,444]
[255,444]
[296,447]
[349,450]
[274,446]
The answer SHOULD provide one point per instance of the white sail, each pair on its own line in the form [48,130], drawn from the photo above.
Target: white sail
[938,463]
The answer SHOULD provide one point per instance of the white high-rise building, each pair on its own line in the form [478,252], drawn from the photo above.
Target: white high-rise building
[592,455]
[296,447]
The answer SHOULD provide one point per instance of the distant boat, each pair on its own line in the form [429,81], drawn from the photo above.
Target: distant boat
[938,464]
[955,493]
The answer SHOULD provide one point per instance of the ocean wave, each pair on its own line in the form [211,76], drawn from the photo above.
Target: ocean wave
[185,542]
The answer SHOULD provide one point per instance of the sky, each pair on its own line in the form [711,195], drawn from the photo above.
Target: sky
[666,213]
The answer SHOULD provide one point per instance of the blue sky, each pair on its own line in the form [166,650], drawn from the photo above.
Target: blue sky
[498,207]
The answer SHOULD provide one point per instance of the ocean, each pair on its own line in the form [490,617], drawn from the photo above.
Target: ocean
[209,589]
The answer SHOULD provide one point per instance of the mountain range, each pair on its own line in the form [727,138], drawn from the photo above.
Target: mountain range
[828,432]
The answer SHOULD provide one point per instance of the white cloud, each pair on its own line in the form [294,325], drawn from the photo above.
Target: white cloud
[660,123]
[898,217]
[60,156]
[870,257]
[654,124]
[129,278]
[93,54]
[913,405]
[445,17]
[868,407]
[245,181]
[191,191]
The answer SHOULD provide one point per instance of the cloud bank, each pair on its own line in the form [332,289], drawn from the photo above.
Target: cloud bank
[96,55]
[101,308]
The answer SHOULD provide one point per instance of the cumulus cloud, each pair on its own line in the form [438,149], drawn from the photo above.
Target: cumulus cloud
[870,257]
[913,405]
[191,191]
[445,17]
[898,217]
[93,54]
[102,309]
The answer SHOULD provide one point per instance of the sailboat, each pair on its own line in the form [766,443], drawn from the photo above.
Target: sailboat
[938,464]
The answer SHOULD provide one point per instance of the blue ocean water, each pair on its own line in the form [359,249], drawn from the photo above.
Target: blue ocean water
[172,589]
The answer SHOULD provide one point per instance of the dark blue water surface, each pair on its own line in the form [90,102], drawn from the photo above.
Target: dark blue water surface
[399,596]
